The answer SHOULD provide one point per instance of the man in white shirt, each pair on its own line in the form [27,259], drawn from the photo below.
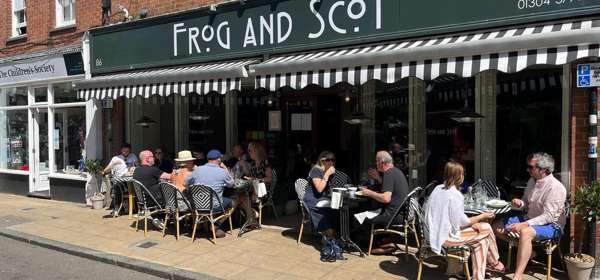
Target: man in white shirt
[119,164]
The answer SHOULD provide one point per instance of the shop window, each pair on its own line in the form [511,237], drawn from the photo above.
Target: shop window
[40,95]
[69,137]
[391,122]
[65,93]
[19,18]
[447,137]
[13,96]
[207,122]
[65,12]
[528,120]
[13,140]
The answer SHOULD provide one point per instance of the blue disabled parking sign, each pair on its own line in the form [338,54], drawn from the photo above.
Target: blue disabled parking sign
[588,75]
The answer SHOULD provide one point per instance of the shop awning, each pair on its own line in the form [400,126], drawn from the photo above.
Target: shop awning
[201,79]
[509,51]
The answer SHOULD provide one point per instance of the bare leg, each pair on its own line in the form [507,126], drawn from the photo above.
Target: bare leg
[527,235]
[242,203]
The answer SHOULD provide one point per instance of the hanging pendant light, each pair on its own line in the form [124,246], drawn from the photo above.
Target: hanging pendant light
[465,116]
[357,117]
[145,122]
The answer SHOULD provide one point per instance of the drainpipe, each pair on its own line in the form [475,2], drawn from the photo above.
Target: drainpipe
[592,160]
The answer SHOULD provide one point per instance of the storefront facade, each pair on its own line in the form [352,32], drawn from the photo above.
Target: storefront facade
[43,129]
[485,83]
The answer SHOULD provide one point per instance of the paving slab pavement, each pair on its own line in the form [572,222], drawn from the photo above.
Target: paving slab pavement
[269,253]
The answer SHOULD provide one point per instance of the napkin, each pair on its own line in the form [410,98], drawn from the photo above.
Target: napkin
[360,217]
[336,200]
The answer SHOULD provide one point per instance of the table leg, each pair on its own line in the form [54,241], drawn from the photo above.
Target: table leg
[247,223]
[130,188]
[345,230]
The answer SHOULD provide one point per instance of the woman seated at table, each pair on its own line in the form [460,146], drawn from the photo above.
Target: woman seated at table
[185,161]
[449,226]
[259,166]
[322,217]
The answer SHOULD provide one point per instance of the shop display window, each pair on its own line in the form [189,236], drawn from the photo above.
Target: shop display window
[13,140]
[13,96]
[69,138]
[40,94]
[65,93]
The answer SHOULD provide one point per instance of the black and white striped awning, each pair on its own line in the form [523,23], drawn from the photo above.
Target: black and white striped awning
[509,51]
[201,79]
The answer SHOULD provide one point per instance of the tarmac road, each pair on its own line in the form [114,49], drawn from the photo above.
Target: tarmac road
[20,261]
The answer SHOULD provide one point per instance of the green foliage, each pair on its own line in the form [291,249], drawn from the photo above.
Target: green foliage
[587,202]
[93,166]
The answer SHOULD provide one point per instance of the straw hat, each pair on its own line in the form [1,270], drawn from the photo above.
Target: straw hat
[184,156]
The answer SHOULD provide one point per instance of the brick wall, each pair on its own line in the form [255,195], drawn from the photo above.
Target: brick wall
[41,21]
[579,160]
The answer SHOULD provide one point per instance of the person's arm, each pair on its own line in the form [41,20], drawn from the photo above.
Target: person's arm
[189,180]
[165,176]
[107,168]
[374,174]
[321,183]
[384,197]
[269,175]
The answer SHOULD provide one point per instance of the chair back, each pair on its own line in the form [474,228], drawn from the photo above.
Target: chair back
[422,224]
[119,183]
[169,193]
[339,179]
[143,195]
[406,207]
[301,185]
[202,198]
[490,187]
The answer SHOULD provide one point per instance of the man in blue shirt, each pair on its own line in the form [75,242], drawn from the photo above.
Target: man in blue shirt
[215,175]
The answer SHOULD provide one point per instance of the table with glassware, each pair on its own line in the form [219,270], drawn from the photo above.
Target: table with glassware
[477,202]
[343,198]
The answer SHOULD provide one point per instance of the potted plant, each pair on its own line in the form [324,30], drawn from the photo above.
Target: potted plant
[94,169]
[586,205]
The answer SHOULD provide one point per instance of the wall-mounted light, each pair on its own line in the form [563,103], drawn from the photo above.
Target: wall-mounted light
[145,122]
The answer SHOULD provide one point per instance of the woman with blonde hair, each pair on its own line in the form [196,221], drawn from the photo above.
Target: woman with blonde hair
[322,217]
[259,166]
[444,211]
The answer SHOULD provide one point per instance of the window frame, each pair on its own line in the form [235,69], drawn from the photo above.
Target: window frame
[60,14]
[16,25]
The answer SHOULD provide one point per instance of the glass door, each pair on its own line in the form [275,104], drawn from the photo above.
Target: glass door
[41,167]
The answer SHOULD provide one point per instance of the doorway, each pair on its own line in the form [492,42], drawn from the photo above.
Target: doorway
[41,162]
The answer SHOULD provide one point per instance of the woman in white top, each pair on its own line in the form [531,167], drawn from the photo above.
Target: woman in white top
[444,211]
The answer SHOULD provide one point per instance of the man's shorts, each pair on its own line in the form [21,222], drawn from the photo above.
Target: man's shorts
[542,232]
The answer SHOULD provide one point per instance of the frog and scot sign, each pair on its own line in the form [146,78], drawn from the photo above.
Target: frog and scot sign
[234,30]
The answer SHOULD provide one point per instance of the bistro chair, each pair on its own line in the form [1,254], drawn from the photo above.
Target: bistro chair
[118,190]
[408,207]
[147,204]
[202,200]
[339,179]
[460,253]
[301,185]
[175,205]
[267,200]
[549,246]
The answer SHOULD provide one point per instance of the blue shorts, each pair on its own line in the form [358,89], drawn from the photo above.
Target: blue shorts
[542,232]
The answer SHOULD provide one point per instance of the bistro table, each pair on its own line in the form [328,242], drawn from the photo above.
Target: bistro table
[474,211]
[243,186]
[346,203]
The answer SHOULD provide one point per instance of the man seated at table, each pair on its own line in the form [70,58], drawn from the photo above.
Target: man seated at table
[215,175]
[149,175]
[394,189]
[544,199]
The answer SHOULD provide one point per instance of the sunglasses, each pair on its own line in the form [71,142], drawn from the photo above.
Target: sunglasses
[329,159]
[529,167]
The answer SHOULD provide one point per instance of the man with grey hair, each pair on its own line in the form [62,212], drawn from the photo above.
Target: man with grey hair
[544,199]
[394,189]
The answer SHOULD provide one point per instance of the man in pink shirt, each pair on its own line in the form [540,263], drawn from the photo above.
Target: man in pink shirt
[544,200]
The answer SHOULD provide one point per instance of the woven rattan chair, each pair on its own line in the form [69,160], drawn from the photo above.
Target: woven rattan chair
[460,253]
[175,201]
[119,190]
[301,185]
[267,200]
[202,200]
[147,205]
[408,206]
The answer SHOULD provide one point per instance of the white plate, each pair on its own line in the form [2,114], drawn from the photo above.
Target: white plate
[496,203]
[340,189]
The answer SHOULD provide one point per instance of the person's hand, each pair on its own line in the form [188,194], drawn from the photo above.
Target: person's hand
[517,227]
[486,216]
[330,171]
[517,202]
[373,173]
[477,227]
[222,165]
[366,191]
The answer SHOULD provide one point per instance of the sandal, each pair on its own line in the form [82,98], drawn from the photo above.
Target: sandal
[498,268]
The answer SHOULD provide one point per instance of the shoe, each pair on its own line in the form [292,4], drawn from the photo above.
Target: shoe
[220,233]
[158,223]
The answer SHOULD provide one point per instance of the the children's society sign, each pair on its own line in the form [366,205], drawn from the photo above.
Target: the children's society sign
[47,68]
